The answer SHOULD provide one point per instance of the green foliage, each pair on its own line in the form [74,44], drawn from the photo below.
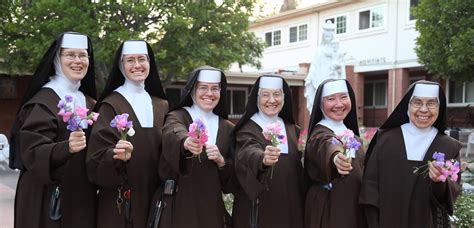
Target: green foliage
[183,34]
[446,42]
[464,211]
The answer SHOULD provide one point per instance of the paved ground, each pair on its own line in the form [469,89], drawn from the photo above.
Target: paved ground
[8,179]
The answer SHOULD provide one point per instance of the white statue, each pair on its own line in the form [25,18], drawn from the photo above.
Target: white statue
[328,62]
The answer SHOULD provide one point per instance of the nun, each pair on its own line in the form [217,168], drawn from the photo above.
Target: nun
[195,175]
[333,179]
[126,171]
[53,189]
[392,195]
[270,193]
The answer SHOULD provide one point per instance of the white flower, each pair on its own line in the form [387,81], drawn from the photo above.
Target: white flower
[131,132]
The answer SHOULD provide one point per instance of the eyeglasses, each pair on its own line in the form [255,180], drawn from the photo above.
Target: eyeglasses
[132,61]
[430,104]
[72,56]
[205,89]
[275,95]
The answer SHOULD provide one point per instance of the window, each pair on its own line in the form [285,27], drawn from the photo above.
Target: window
[273,38]
[173,95]
[371,18]
[236,100]
[460,92]
[340,22]
[412,4]
[375,94]
[298,33]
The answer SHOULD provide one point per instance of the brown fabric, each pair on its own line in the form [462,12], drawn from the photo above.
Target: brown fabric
[281,197]
[141,170]
[48,163]
[395,197]
[198,201]
[337,207]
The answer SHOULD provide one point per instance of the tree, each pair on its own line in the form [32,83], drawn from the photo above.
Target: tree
[183,34]
[446,41]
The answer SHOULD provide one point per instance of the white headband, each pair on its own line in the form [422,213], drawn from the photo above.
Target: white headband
[271,83]
[209,76]
[426,90]
[333,87]
[74,41]
[134,47]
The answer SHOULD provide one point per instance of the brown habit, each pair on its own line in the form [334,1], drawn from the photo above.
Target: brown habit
[337,207]
[393,196]
[198,202]
[141,170]
[280,198]
[48,163]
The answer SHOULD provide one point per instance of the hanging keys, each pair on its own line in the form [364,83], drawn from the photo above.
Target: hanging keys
[119,200]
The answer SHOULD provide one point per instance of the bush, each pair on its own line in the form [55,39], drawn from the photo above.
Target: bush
[464,211]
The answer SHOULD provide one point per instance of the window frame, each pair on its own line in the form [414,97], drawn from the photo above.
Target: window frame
[231,105]
[371,9]
[373,82]
[298,38]
[409,7]
[457,104]
[335,22]
[272,32]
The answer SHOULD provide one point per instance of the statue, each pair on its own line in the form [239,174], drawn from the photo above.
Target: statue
[328,62]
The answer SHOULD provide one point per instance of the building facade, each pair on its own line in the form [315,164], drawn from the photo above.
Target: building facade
[379,39]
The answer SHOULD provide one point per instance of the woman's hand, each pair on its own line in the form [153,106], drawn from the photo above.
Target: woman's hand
[271,155]
[435,172]
[215,155]
[192,146]
[342,164]
[123,150]
[77,141]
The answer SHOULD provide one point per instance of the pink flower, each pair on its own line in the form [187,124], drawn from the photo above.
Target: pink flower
[273,133]
[123,125]
[65,115]
[95,115]
[81,112]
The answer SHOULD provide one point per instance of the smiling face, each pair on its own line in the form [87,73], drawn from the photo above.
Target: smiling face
[423,111]
[136,67]
[207,95]
[337,106]
[74,63]
[271,101]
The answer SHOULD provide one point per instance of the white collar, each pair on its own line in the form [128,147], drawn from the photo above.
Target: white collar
[211,121]
[336,126]
[140,100]
[417,140]
[262,120]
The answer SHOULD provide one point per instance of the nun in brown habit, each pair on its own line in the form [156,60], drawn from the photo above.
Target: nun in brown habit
[263,201]
[53,190]
[392,195]
[126,171]
[333,179]
[195,176]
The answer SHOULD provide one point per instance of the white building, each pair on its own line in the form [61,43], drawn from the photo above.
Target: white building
[379,38]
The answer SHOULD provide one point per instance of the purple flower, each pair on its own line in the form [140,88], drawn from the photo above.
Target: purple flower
[353,144]
[61,104]
[439,157]
[68,98]
[334,141]
[73,123]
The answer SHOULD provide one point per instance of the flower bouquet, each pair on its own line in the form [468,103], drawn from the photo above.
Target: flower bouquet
[77,118]
[273,133]
[450,167]
[348,142]
[197,131]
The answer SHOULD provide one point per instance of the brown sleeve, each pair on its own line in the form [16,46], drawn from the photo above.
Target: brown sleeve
[102,168]
[40,152]
[447,192]
[249,168]
[175,132]
[372,216]
[320,153]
